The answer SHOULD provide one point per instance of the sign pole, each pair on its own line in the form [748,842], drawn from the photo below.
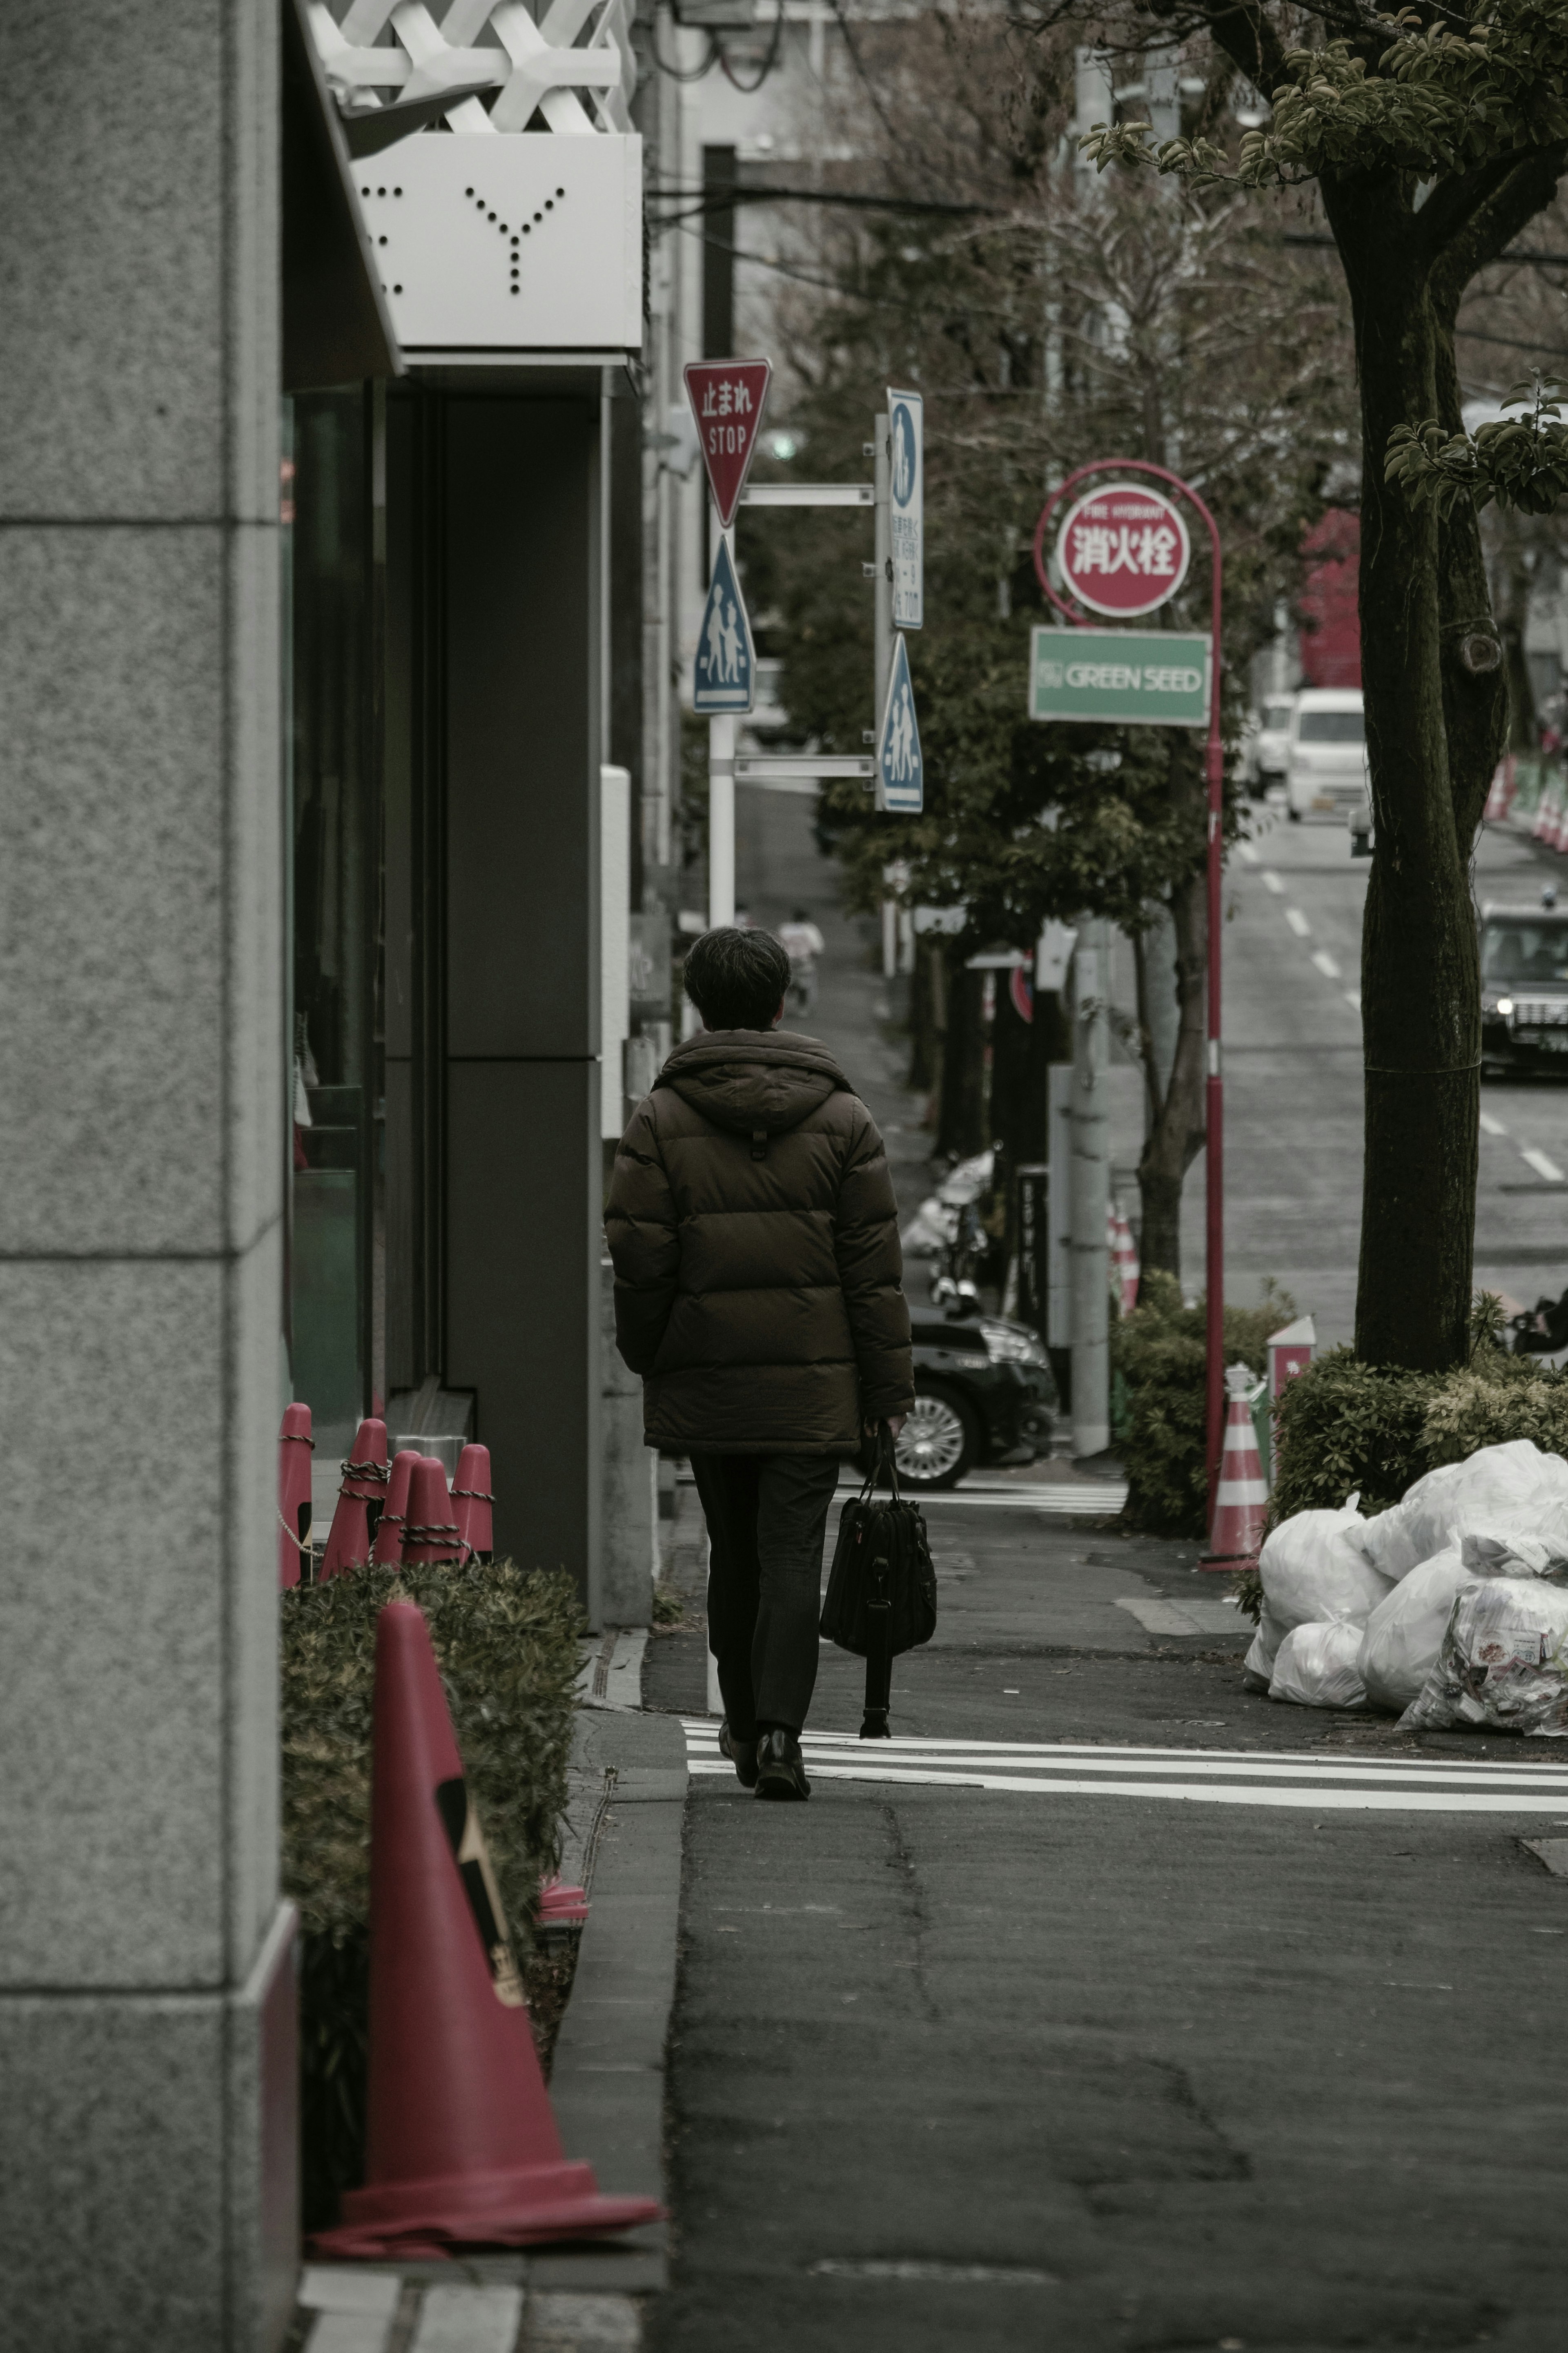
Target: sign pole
[1214,1085]
[720,781]
[1213,1103]
[727,398]
[883,638]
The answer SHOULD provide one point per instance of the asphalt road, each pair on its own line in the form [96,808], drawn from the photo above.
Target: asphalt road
[1064,2064]
[955,2067]
[1293,1094]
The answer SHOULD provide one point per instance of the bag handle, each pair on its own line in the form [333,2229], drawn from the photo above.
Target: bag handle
[886,1452]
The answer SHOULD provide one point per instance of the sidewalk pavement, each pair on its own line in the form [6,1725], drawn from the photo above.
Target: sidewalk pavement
[627,1782]
[1160,2041]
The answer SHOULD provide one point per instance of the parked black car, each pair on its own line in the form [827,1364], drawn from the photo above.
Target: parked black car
[1524,989]
[984,1392]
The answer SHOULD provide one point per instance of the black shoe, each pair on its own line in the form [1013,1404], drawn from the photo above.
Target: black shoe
[779,1771]
[742,1755]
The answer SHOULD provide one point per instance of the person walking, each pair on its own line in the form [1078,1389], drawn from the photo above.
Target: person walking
[803,944]
[759,1294]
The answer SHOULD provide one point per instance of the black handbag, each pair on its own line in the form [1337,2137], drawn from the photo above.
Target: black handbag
[881,1590]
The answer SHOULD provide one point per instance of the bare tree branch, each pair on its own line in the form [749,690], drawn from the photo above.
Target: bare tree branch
[1524,190]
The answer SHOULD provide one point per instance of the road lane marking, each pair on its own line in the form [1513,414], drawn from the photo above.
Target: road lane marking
[1247,852]
[1073,1501]
[1298,922]
[1541,1162]
[1325,964]
[1490,1126]
[965,2274]
[1041,1757]
[1163,1617]
[1310,1799]
[1353,998]
[1271,882]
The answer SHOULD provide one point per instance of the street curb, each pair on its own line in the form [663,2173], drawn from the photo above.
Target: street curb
[623,1842]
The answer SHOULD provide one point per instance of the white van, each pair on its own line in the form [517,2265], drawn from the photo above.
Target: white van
[1326,771]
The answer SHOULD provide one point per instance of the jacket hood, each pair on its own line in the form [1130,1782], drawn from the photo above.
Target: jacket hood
[751,1079]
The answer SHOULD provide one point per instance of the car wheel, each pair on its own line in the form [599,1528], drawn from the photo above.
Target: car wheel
[940,1440]
[1295,815]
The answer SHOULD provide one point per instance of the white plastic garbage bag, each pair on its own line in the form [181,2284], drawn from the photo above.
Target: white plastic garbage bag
[1511,1552]
[1511,1486]
[1318,1666]
[1312,1568]
[1405,1632]
[1503,1662]
[1257,1667]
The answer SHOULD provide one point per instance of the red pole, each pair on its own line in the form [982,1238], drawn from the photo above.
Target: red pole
[1214,1085]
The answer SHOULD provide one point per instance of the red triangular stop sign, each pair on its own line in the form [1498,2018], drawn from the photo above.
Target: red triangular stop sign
[727,399]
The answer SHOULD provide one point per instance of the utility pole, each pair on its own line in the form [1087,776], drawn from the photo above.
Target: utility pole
[1091,1195]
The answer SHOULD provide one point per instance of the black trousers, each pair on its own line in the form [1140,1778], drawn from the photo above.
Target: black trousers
[766,1515]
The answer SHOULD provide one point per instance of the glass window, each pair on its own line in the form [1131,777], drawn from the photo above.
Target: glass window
[336,917]
[1514,951]
[1331,727]
[1275,715]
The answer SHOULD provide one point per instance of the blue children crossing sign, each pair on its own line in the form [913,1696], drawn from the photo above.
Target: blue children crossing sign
[726,664]
[900,776]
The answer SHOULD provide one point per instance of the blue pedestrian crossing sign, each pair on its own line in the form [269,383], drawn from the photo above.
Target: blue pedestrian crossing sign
[726,662]
[901,775]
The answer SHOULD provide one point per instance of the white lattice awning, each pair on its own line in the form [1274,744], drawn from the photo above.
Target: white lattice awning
[513,220]
[574,70]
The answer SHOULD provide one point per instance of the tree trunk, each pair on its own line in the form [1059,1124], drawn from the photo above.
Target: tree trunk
[1513,614]
[963,1128]
[1176,1123]
[1433,740]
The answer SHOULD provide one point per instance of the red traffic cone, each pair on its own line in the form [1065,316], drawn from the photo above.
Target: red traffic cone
[472,1503]
[431,1533]
[1241,1498]
[387,1550]
[562,1905]
[364,1485]
[295,1448]
[461,2147]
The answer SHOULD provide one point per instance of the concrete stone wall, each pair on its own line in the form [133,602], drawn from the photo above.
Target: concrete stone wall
[145,1963]
[631,1483]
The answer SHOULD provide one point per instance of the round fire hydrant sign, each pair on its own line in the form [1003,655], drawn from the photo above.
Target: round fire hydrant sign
[1124,549]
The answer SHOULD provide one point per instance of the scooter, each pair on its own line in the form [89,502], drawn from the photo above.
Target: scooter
[1542,1331]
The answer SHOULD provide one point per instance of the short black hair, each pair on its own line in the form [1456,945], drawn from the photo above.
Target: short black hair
[736,979]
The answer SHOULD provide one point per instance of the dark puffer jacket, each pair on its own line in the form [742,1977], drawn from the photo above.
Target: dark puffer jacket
[756,1239]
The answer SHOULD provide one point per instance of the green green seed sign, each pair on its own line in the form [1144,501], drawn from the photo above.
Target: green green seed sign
[1147,677]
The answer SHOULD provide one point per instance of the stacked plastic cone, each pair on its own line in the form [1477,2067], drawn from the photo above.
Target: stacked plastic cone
[473,1504]
[362,1494]
[1123,1258]
[295,1447]
[1241,1499]
[388,1548]
[430,1534]
[461,2147]
[1499,799]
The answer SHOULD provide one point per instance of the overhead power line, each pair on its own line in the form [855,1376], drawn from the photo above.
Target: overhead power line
[701,200]
[1513,253]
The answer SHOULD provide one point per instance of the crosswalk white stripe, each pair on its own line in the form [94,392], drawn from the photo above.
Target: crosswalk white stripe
[1102,1506]
[1206,1768]
[1084,1754]
[1220,1793]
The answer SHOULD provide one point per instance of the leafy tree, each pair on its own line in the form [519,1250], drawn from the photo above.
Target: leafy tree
[1059,319]
[1432,137]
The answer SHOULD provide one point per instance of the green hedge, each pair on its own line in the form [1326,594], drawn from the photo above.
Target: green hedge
[507,1645]
[1160,1353]
[1342,1425]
